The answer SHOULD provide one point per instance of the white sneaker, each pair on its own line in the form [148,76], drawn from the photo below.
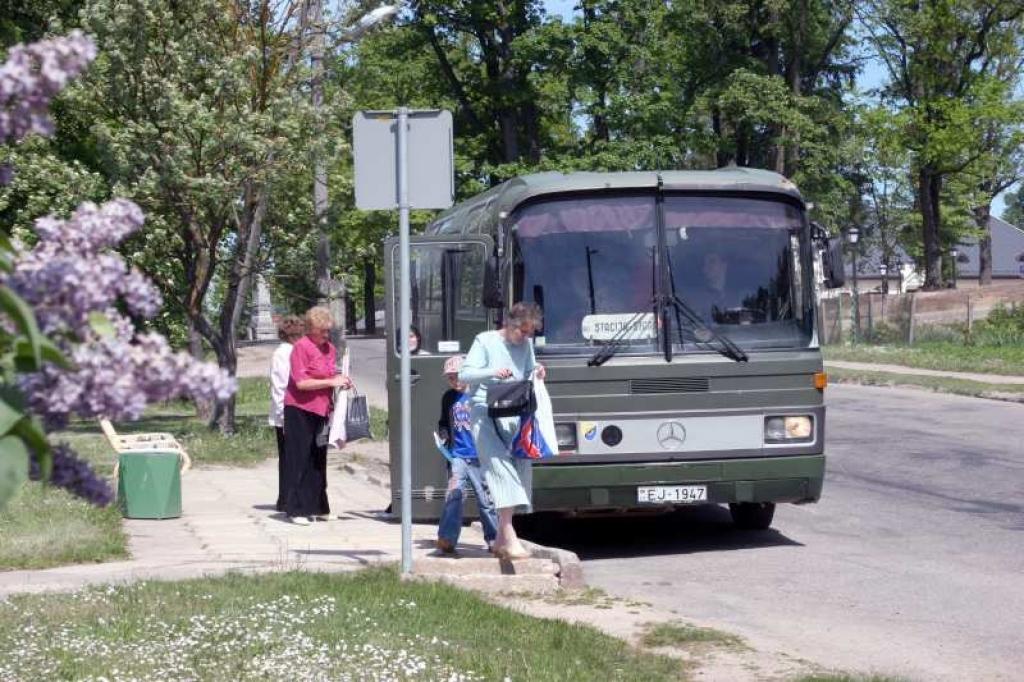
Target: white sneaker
[323,517]
[301,520]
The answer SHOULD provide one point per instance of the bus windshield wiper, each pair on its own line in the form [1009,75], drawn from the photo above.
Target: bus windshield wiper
[701,332]
[605,352]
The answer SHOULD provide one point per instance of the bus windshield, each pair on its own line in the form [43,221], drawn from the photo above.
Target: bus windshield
[592,264]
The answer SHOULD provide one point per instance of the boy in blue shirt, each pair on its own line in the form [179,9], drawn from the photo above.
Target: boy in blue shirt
[463,465]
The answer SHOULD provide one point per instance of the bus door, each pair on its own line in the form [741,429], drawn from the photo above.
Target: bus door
[446,299]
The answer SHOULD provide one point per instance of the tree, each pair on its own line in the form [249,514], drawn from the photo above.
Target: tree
[1014,212]
[200,110]
[67,345]
[940,56]
[476,44]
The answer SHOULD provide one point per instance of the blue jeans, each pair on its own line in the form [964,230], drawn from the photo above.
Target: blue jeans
[461,471]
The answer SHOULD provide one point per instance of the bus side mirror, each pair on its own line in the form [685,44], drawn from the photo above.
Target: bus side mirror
[832,262]
[492,283]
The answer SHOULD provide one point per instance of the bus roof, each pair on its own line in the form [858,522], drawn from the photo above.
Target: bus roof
[478,214]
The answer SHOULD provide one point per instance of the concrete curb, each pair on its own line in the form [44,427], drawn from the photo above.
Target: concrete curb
[570,569]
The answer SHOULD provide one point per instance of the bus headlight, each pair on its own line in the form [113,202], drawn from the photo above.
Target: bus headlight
[798,429]
[565,434]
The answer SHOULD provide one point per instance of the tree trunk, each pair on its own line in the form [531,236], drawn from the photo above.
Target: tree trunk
[350,312]
[222,417]
[204,408]
[369,301]
[981,217]
[929,184]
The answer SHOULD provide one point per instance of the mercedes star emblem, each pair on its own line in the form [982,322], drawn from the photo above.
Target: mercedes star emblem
[672,435]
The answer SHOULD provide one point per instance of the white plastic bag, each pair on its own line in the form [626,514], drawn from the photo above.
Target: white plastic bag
[337,437]
[544,416]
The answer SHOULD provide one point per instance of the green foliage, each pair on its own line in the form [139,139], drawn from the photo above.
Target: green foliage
[1003,328]
[1014,213]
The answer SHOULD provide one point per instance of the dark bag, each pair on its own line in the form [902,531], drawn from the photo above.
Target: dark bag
[511,399]
[357,419]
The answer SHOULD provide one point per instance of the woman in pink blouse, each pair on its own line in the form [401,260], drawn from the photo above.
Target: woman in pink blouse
[307,404]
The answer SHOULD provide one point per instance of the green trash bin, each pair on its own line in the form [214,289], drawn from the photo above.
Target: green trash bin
[149,484]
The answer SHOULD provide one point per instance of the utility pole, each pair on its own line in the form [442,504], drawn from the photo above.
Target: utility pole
[331,291]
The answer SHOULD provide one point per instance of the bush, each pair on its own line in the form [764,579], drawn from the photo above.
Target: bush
[1003,327]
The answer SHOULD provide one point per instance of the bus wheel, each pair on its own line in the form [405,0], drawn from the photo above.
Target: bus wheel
[752,515]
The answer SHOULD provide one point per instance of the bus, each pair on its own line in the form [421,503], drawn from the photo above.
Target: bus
[679,335]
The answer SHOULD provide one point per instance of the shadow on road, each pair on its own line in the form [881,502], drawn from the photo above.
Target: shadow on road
[687,531]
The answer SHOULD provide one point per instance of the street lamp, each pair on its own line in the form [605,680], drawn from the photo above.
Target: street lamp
[953,253]
[852,235]
[883,270]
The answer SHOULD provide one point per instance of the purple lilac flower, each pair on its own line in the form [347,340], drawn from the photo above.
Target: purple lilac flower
[76,476]
[32,76]
[71,275]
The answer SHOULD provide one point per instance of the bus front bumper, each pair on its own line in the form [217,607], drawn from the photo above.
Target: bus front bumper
[568,487]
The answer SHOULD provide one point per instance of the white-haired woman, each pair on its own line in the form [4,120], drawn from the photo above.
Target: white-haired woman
[497,356]
[307,403]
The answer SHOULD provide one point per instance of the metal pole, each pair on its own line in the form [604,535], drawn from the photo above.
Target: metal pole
[404,296]
[856,300]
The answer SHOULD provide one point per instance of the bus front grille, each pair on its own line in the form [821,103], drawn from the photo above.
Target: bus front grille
[673,385]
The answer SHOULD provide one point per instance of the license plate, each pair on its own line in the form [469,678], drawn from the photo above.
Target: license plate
[675,494]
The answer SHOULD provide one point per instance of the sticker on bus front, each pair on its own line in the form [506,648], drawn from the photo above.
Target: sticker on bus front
[632,326]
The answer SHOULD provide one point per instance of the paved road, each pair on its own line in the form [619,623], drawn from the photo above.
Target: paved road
[911,564]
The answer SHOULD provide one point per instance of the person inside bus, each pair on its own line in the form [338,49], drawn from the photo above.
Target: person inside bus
[712,296]
[455,429]
[496,356]
[415,341]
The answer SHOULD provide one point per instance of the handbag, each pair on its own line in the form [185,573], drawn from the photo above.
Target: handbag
[511,399]
[357,417]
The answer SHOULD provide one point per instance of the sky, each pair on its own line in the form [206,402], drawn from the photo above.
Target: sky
[872,76]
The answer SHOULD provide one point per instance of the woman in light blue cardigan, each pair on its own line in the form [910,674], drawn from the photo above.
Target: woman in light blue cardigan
[495,357]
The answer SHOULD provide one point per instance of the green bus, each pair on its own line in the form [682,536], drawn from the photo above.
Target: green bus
[679,335]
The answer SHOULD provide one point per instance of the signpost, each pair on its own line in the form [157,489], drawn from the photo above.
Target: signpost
[403,160]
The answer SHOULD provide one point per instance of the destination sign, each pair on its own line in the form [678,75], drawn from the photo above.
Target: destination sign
[606,327]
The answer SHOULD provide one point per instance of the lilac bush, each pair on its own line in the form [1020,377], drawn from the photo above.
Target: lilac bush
[77,285]
[84,295]
[74,474]
[32,76]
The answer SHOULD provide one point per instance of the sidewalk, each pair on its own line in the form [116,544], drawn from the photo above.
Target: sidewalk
[902,369]
[229,524]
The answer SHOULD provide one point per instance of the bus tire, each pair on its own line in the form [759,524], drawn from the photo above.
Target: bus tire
[752,515]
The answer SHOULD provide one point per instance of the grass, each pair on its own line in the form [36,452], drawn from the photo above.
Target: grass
[252,442]
[966,387]
[947,356]
[367,625]
[44,527]
[683,635]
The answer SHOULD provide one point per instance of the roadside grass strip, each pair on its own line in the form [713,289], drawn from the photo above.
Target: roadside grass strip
[301,626]
[847,677]
[950,357]
[46,526]
[977,389]
[683,635]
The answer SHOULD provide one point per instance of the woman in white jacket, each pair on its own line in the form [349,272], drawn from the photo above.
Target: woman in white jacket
[290,329]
